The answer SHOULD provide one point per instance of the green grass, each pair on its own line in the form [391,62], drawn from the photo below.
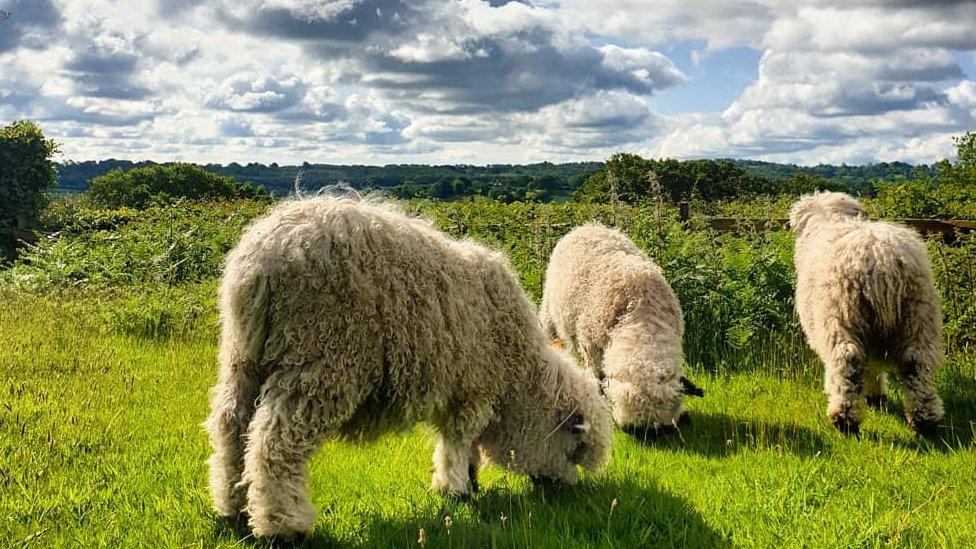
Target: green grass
[100,444]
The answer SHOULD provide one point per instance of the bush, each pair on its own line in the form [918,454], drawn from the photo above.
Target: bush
[162,245]
[736,290]
[164,184]
[702,179]
[950,195]
[27,177]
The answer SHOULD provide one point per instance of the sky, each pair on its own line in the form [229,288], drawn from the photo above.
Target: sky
[477,82]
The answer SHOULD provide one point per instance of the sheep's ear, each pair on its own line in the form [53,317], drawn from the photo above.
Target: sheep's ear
[577,425]
[689,388]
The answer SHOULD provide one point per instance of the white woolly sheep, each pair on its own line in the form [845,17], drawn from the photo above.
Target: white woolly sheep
[608,301]
[867,302]
[350,319]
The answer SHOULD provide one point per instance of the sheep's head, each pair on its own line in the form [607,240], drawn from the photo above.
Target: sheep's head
[583,424]
[828,206]
[565,425]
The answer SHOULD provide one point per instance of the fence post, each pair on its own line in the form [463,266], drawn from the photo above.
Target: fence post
[684,213]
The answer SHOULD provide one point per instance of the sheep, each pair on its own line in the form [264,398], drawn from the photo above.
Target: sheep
[867,302]
[610,303]
[342,317]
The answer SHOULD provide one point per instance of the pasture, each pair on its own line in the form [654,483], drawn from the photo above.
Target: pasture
[108,349]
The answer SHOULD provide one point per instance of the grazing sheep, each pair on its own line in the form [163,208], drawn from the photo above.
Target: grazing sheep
[345,318]
[610,303]
[866,300]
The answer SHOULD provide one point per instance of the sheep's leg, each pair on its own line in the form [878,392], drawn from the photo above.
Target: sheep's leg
[548,326]
[876,385]
[232,408]
[473,465]
[918,360]
[452,466]
[297,411]
[923,407]
[457,455]
[842,383]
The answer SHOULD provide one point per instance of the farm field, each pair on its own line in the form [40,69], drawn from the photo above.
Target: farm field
[673,190]
[101,444]
[109,348]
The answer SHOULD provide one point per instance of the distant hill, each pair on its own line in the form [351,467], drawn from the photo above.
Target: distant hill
[75,176]
[855,178]
[504,181]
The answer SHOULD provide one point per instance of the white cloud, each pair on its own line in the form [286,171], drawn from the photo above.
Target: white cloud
[476,81]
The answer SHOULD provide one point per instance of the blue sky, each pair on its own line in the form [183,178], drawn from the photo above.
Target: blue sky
[476,81]
[715,78]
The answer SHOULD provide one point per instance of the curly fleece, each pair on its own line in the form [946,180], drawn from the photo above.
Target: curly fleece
[347,318]
[867,303]
[609,301]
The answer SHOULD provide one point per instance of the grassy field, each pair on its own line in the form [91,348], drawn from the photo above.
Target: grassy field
[100,444]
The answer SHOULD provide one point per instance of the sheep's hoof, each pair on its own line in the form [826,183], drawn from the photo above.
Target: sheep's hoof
[473,478]
[878,402]
[924,427]
[540,481]
[689,388]
[847,425]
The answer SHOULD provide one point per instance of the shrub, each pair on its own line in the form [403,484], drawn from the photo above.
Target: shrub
[27,177]
[164,184]
[162,245]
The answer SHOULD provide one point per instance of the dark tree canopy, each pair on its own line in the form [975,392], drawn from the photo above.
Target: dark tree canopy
[27,174]
[705,179]
[161,184]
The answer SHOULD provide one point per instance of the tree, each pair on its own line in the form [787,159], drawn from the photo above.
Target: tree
[161,184]
[624,173]
[27,174]
[442,189]
[966,150]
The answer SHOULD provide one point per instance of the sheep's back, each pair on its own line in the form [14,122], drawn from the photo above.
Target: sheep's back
[870,265]
[386,297]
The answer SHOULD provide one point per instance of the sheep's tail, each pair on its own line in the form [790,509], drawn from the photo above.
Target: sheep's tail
[883,291]
[889,276]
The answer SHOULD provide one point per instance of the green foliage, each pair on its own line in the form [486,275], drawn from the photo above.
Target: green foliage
[702,179]
[159,184]
[966,150]
[511,182]
[162,245]
[27,177]
[736,289]
[854,179]
[949,195]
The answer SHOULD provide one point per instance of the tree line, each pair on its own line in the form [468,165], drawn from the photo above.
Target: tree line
[540,182]
[29,176]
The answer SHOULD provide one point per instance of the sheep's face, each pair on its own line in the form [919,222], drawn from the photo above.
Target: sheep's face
[589,432]
[553,427]
[829,206]
[657,402]
[580,430]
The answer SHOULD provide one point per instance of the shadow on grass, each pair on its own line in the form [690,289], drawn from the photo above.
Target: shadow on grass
[510,514]
[714,434]
[956,431]
[547,515]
